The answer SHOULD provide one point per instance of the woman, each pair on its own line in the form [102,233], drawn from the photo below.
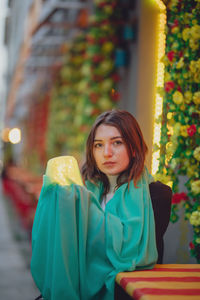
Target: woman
[83,236]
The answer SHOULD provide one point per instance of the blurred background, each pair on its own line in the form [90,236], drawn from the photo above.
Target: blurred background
[64,62]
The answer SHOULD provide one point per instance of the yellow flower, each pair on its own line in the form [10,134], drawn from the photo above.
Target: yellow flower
[194,44]
[195,218]
[195,186]
[196,98]
[169,115]
[183,130]
[162,177]
[174,162]
[182,107]
[175,29]
[172,4]
[186,34]
[177,128]
[195,32]
[195,70]
[196,153]
[188,97]
[178,97]
[198,240]
[180,63]
[167,77]
[191,171]
[185,75]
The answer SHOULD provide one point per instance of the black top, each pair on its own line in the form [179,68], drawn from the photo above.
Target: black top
[161,195]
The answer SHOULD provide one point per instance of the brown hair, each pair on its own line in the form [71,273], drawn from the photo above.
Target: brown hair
[136,147]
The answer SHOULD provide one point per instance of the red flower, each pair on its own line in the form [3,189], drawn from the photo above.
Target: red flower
[178,197]
[94,97]
[115,77]
[97,78]
[175,24]
[191,245]
[97,58]
[170,55]
[191,130]
[181,53]
[169,85]
[179,89]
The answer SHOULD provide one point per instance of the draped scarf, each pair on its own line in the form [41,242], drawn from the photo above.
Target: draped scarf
[78,249]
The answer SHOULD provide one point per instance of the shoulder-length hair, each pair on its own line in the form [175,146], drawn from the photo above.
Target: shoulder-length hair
[134,141]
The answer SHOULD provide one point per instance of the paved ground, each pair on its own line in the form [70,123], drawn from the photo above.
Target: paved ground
[16,282]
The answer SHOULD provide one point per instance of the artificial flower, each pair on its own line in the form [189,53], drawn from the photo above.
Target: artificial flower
[178,197]
[173,163]
[167,76]
[187,97]
[177,97]
[186,34]
[195,186]
[169,85]
[180,63]
[195,32]
[172,4]
[191,130]
[196,153]
[191,170]
[177,128]
[171,55]
[182,107]
[196,98]
[191,245]
[194,44]
[195,70]
[195,218]
[183,130]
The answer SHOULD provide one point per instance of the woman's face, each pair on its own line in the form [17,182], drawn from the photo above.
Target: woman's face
[110,151]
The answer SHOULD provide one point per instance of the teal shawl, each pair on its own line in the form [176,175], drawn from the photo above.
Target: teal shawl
[77,248]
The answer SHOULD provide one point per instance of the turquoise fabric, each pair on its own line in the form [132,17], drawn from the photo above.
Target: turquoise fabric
[77,248]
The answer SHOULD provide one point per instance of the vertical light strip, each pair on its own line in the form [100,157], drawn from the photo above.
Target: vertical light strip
[159,82]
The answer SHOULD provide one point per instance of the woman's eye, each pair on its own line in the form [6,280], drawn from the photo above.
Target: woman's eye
[117,142]
[97,145]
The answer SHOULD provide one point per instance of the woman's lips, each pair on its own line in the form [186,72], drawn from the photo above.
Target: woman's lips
[109,163]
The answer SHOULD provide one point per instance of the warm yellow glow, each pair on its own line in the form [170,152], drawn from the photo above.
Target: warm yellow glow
[159,81]
[14,135]
[64,170]
[4,134]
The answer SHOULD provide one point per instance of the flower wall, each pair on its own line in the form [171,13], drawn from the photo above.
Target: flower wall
[180,133]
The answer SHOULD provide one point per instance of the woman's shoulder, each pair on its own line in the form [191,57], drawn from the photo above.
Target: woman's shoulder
[159,190]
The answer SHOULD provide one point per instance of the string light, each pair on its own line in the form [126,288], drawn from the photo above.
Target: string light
[14,135]
[159,82]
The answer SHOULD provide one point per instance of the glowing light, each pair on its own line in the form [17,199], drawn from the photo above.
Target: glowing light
[159,82]
[14,135]
[4,134]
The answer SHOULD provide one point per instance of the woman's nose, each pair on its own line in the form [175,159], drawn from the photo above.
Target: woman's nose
[108,151]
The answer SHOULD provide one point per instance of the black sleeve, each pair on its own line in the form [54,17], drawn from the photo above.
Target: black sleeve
[161,196]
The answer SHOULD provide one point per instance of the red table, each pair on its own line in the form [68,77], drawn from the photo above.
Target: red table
[163,282]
